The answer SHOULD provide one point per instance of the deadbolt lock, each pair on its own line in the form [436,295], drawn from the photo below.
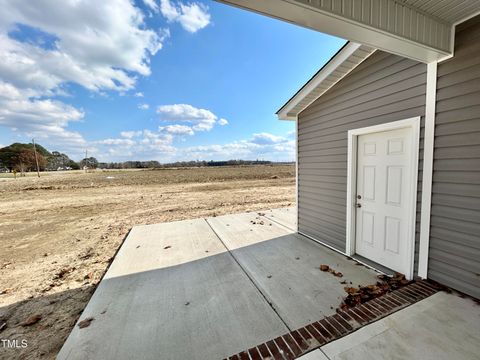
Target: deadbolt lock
[359,197]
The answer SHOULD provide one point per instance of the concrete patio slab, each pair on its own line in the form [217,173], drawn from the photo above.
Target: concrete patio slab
[285,267]
[166,297]
[210,288]
[443,326]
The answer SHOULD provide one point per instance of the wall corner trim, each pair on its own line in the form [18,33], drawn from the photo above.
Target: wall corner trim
[428,151]
[296,171]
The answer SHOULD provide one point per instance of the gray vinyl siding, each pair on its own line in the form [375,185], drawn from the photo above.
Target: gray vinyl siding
[454,254]
[384,88]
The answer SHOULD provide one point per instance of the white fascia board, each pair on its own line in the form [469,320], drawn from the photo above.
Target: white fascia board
[327,70]
[452,41]
[327,22]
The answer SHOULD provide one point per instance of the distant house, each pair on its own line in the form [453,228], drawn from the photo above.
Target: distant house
[4,170]
[388,134]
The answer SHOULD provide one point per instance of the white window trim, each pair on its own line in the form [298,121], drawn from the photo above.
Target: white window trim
[427,179]
[414,124]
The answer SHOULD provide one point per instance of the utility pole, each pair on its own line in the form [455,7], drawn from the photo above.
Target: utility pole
[36,158]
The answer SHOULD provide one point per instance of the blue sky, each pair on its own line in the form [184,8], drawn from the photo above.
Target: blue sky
[155,79]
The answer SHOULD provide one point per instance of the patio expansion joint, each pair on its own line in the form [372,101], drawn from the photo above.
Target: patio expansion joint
[278,223]
[313,336]
[269,302]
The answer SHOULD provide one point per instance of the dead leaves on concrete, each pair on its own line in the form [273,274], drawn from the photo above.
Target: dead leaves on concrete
[365,293]
[259,221]
[326,268]
[85,323]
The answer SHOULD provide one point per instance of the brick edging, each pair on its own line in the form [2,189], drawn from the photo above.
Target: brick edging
[312,336]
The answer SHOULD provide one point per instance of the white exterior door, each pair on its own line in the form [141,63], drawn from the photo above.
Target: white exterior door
[383,198]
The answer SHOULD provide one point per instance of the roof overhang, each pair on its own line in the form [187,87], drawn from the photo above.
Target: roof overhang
[341,64]
[422,30]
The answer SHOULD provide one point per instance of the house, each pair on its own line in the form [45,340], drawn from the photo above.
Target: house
[388,134]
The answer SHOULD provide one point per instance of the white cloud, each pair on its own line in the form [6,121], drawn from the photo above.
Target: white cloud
[267,138]
[202,119]
[124,142]
[138,94]
[151,4]
[192,17]
[223,122]
[260,146]
[150,145]
[130,134]
[101,46]
[39,118]
[98,44]
[143,106]
[244,149]
[177,129]
[291,134]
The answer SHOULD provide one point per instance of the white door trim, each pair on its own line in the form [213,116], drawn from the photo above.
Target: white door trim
[414,124]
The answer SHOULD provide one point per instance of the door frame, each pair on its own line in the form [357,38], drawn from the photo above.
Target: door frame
[414,124]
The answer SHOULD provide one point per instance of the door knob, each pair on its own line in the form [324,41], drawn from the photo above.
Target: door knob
[358,205]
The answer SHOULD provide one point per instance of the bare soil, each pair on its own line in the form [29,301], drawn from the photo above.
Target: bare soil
[59,233]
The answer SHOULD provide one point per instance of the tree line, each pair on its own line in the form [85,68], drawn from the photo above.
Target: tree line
[152,164]
[21,157]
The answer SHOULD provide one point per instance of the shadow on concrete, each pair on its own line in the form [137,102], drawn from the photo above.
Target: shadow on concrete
[215,305]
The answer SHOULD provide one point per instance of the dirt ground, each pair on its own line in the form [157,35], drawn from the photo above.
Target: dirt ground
[59,233]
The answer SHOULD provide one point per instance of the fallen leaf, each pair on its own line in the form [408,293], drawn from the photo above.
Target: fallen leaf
[324,267]
[365,293]
[85,323]
[335,273]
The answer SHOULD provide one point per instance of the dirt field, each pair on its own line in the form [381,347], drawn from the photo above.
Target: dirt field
[59,233]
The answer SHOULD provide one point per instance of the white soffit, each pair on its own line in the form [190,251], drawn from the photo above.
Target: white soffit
[421,30]
[340,65]
[451,11]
